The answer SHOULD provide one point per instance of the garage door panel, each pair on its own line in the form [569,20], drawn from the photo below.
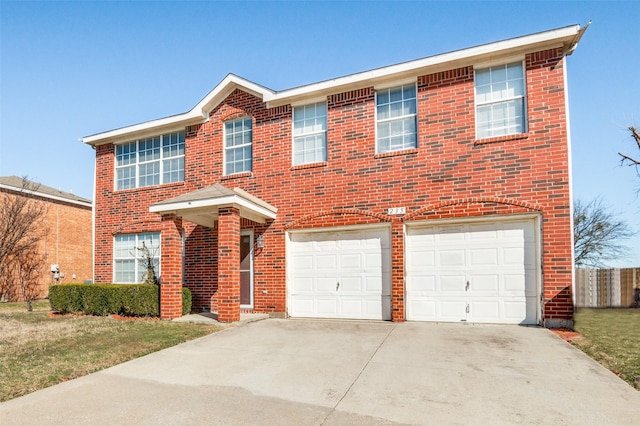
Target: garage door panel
[514,284]
[451,258]
[452,283]
[484,284]
[498,259]
[513,256]
[422,309]
[484,257]
[451,309]
[326,261]
[420,284]
[349,275]
[484,310]
[325,284]
[351,285]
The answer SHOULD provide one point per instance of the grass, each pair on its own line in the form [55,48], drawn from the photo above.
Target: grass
[611,337]
[37,351]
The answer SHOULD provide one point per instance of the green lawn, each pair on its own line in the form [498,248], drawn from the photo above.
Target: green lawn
[611,337]
[37,351]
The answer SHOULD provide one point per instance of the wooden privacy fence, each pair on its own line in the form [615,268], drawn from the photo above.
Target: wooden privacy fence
[607,288]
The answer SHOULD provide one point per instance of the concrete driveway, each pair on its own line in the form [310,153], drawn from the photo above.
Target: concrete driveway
[307,372]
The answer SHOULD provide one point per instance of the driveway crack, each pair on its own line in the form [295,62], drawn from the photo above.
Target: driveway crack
[366,364]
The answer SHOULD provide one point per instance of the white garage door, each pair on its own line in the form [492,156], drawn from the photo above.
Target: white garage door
[482,272]
[340,274]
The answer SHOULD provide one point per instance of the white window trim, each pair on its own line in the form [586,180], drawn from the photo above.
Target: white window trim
[375,101]
[136,258]
[325,131]
[524,97]
[249,232]
[224,146]
[138,163]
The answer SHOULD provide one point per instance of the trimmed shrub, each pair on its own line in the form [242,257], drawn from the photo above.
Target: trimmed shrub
[140,299]
[186,301]
[66,298]
[105,299]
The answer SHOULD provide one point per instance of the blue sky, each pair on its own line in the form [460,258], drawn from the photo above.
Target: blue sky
[72,69]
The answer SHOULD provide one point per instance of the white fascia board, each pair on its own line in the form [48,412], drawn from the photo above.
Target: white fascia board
[197,114]
[43,195]
[232,200]
[148,128]
[557,37]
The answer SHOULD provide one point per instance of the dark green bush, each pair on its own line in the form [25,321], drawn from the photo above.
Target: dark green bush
[66,298]
[140,300]
[105,299]
[186,301]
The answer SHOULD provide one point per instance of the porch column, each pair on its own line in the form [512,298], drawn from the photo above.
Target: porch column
[228,264]
[171,267]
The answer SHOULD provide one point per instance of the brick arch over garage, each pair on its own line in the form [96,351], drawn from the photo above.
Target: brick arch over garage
[466,207]
[338,217]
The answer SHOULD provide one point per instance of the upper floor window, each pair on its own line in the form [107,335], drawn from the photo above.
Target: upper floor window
[128,253]
[150,161]
[396,118]
[237,146]
[500,100]
[310,134]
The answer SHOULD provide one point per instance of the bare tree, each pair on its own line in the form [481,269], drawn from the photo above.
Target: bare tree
[21,232]
[598,234]
[627,159]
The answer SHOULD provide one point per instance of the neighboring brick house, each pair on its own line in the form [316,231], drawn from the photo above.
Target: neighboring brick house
[68,222]
[432,190]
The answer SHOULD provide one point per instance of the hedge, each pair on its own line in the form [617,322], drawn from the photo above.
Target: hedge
[105,299]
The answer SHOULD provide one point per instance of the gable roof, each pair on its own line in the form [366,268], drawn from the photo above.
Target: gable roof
[566,38]
[14,183]
[201,206]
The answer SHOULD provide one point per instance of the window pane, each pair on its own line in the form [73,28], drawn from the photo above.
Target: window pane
[128,265]
[500,103]
[126,177]
[149,174]
[396,118]
[309,143]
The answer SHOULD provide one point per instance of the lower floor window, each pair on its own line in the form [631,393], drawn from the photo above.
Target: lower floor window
[133,253]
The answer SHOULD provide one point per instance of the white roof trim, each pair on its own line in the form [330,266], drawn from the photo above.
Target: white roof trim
[43,195]
[566,37]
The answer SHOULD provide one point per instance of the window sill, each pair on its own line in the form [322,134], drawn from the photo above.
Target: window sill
[504,138]
[148,188]
[237,175]
[395,153]
[310,165]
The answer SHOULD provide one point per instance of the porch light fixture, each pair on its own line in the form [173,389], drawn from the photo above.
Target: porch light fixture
[260,242]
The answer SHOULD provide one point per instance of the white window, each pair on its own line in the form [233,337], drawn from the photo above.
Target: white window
[128,258]
[237,146]
[396,118]
[500,100]
[310,134]
[150,161]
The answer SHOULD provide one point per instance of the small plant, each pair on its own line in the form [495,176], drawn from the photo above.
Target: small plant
[150,276]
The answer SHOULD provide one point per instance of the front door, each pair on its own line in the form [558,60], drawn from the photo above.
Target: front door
[246,269]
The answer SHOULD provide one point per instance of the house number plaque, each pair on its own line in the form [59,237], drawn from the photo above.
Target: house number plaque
[397,210]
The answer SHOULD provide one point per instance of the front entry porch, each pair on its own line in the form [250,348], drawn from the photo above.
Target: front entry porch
[213,206]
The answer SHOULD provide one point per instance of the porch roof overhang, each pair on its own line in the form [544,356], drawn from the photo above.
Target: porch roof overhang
[201,206]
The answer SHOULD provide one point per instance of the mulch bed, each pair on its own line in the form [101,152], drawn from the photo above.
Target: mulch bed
[567,334]
[114,316]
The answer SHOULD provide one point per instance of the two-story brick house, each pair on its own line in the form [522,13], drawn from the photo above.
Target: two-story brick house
[432,190]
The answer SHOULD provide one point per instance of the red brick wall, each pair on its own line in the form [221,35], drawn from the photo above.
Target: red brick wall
[450,174]
[67,242]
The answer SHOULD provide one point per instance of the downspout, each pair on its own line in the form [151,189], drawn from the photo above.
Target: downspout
[93,220]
